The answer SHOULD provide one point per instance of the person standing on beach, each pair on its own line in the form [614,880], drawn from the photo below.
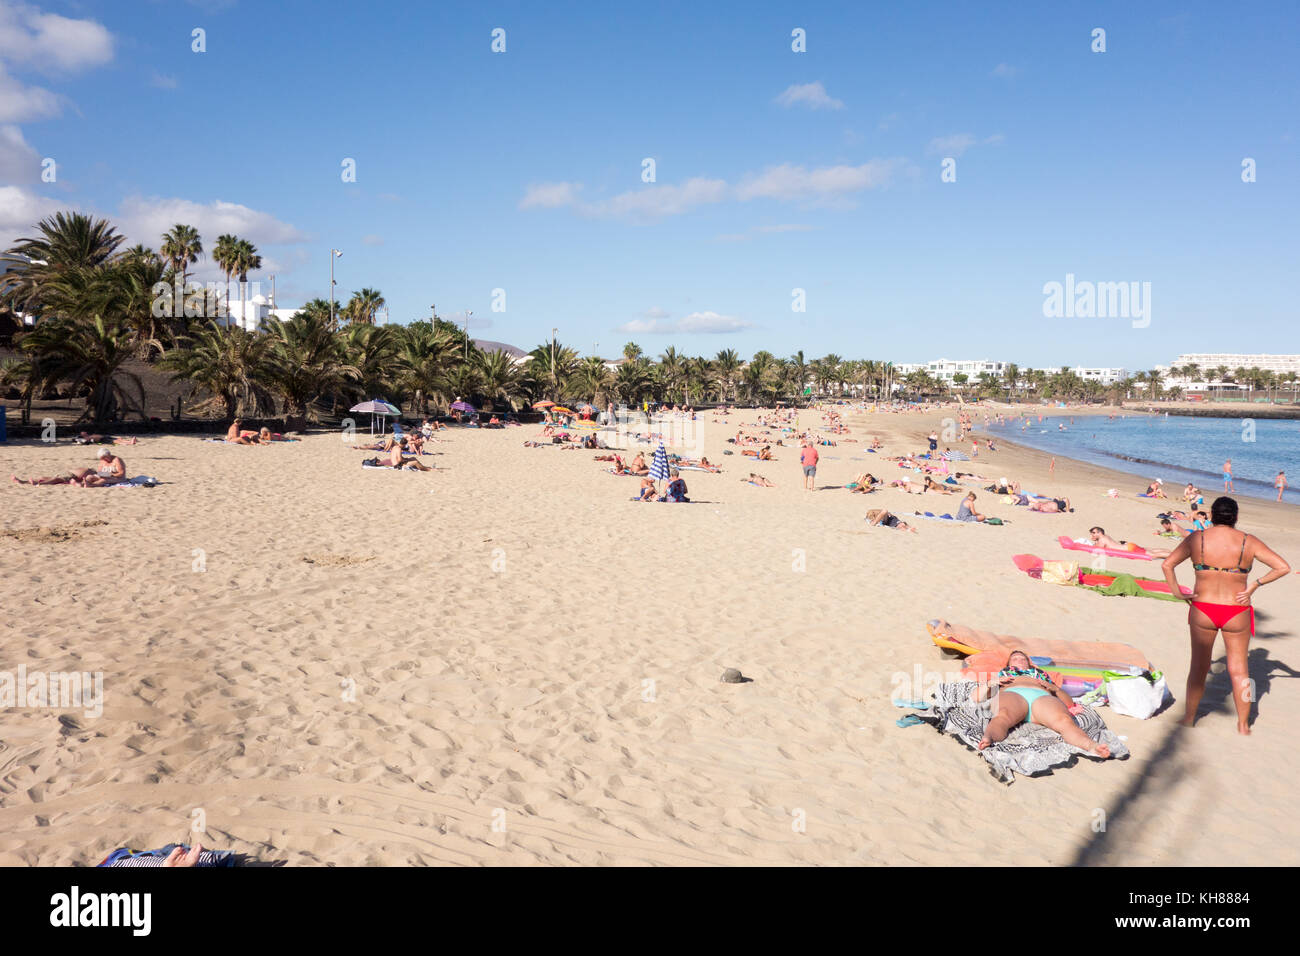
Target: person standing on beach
[1227,476]
[934,441]
[1222,557]
[1280,484]
[808,458]
[1051,469]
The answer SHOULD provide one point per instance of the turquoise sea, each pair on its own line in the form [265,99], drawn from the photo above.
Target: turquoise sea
[1176,448]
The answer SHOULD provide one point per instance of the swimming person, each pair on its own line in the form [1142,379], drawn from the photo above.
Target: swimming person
[1024,694]
[1222,557]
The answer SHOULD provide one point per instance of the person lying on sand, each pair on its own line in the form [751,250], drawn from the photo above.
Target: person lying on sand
[639,467]
[878,517]
[1098,537]
[75,477]
[935,486]
[1051,505]
[759,480]
[1169,529]
[85,438]
[395,459]
[865,483]
[1004,487]
[1022,693]
[237,436]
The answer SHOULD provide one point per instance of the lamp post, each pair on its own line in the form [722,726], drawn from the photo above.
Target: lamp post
[467,315]
[334,254]
[555,377]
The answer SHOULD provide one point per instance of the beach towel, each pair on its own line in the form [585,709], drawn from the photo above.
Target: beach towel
[125,857]
[1029,750]
[1071,545]
[139,481]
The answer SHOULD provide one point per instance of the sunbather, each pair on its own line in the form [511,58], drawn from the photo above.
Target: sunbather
[759,480]
[880,517]
[1098,537]
[75,477]
[1023,693]
[648,490]
[639,467]
[85,438]
[1051,505]
[237,436]
[967,510]
[110,471]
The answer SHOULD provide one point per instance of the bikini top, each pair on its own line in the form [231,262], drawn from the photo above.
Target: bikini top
[1210,567]
[1032,672]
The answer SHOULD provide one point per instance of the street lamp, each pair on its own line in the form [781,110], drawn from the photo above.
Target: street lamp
[467,315]
[555,378]
[334,254]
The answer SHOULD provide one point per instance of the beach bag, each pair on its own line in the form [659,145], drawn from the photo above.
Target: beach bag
[1136,695]
[993,521]
[1061,572]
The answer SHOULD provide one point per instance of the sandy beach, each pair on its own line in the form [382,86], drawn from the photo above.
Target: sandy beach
[507,661]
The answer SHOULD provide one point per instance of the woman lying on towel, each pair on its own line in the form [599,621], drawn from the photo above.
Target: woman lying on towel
[881,517]
[395,460]
[863,484]
[1021,693]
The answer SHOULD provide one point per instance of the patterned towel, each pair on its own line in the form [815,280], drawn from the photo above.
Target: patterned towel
[125,857]
[1030,749]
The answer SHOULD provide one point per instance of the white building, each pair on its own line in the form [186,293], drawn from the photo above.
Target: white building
[1104,376]
[945,369]
[1209,362]
[251,315]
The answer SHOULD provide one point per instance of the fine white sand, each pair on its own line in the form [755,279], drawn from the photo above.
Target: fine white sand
[508,661]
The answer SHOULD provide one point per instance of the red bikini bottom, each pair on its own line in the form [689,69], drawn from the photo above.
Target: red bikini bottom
[1221,614]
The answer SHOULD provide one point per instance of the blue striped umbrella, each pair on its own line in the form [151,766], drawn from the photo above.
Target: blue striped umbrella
[659,467]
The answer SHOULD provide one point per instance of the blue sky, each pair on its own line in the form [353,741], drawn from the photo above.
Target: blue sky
[775,170]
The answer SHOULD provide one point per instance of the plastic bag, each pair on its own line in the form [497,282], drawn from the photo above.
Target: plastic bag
[1137,696]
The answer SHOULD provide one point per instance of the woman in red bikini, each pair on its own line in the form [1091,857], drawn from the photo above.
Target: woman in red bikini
[1222,557]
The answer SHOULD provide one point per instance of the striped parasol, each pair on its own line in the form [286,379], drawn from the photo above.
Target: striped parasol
[659,467]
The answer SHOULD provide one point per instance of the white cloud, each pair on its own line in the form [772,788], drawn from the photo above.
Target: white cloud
[51,43]
[785,182]
[20,210]
[20,103]
[654,312]
[697,323]
[146,219]
[19,163]
[1005,70]
[163,82]
[796,182]
[958,143]
[811,95]
[550,195]
[372,240]
[953,145]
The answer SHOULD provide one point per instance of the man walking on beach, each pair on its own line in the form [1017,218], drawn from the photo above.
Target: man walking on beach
[808,458]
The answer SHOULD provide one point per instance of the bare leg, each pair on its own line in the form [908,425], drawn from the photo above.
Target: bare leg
[1203,633]
[1051,713]
[1238,646]
[1011,710]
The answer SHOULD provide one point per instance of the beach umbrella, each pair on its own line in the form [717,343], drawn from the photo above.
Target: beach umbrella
[562,410]
[544,403]
[659,465]
[376,408]
[463,406]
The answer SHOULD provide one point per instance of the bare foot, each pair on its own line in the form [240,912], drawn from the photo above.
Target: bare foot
[1102,751]
[983,743]
[19,481]
[1189,720]
[1243,729]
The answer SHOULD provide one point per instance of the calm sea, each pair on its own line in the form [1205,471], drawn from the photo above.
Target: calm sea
[1177,449]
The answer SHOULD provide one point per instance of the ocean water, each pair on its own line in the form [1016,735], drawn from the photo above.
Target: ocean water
[1176,448]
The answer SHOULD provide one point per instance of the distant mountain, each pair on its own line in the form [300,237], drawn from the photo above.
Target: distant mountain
[483,345]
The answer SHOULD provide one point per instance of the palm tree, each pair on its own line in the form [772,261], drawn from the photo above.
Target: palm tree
[307,361]
[593,379]
[372,351]
[181,246]
[727,362]
[246,260]
[673,368]
[230,364]
[549,367]
[800,370]
[631,351]
[1011,375]
[64,241]
[501,378]
[88,355]
[425,354]
[364,306]
[224,254]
